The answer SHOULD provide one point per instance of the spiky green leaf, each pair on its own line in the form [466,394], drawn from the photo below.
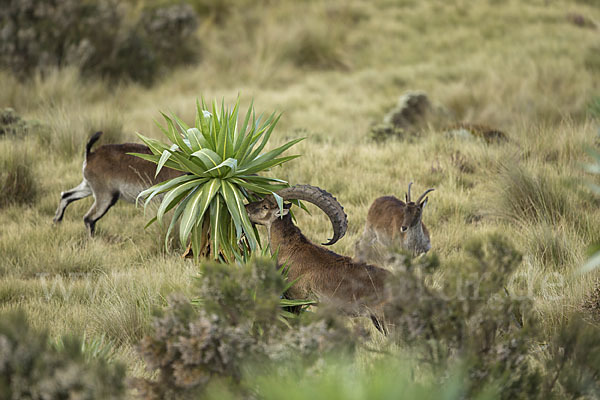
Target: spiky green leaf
[196,207]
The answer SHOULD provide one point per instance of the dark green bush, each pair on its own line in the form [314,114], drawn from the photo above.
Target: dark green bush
[573,368]
[470,320]
[473,324]
[233,326]
[470,336]
[100,37]
[30,368]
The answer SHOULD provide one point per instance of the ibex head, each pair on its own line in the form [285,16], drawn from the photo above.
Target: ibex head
[266,211]
[413,210]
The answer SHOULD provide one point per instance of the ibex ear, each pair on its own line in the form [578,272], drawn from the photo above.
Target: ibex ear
[424,202]
[285,211]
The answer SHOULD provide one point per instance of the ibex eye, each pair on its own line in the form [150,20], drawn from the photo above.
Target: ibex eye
[265,207]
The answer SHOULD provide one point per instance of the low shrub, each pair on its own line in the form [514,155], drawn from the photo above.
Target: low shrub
[101,38]
[232,326]
[468,335]
[470,320]
[474,325]
[31,368]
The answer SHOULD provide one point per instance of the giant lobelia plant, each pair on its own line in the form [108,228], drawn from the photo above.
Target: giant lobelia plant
[221,159]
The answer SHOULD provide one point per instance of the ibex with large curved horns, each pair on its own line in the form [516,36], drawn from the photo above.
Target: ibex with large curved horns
[356,288]
[394,223]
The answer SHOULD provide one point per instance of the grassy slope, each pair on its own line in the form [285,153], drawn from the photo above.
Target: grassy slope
[522,68]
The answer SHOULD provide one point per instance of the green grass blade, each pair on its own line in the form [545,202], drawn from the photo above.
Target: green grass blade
[236,206]
[155,146]
[197,206]
[232,206]
[227,167]
[209,158]
[291,303]
[204,124]
[175,194]
[233,123]
[176,215]
[271,122]
[223,137]
[168,132]
[155,159]
[257,133]
[162,187]
[257,179]
[153,220]
[164,158]
[193,135]
[218,223]
[242,134]
[272,154]
[196,168]
[268,164]
[182,125]
[257,188]
[174,135]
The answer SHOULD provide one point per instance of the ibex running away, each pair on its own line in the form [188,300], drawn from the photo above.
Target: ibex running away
[392,223]
[356,288]
[110,174]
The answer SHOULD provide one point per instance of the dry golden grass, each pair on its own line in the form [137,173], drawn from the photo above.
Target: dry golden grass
[517,67]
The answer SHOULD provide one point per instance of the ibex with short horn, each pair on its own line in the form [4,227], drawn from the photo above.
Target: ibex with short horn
[110,174]
[356,288]
[394,223]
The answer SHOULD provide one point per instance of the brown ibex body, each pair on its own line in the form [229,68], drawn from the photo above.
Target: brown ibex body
[356,288]
[110,174]
[394,224]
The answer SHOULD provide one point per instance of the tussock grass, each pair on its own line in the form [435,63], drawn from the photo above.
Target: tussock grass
[551,248]
[523,197]
[33,248]
[124,320]
[17,176]
[316,48]
[71,127]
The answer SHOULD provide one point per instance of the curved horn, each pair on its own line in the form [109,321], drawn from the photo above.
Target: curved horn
[325,201]
[423,195]
[408,195]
